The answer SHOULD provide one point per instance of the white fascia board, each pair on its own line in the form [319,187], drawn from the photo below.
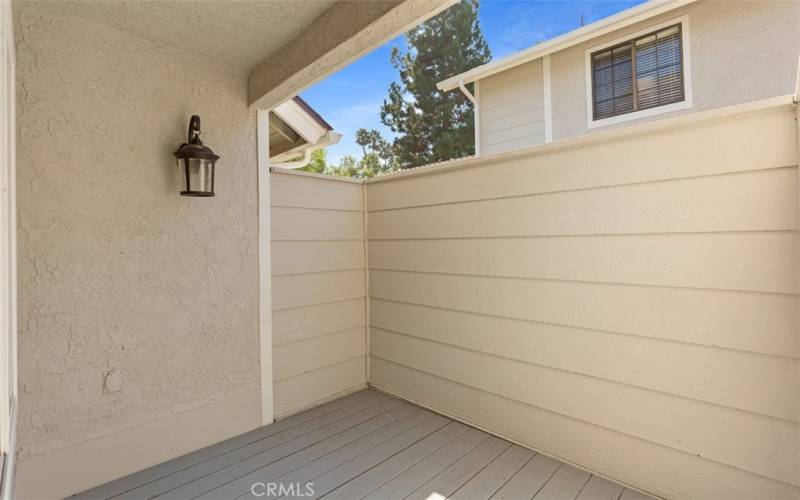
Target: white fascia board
[620,20]
[302,123]
[329,139]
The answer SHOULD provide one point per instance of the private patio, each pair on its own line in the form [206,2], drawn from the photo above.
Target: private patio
[365,445]
[599,316]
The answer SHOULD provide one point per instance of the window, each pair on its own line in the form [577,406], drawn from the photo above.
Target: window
[630,79]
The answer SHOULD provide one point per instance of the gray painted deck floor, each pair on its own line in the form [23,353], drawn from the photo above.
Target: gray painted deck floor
[365,445]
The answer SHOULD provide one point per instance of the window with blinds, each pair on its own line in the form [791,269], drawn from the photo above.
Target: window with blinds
[639,74]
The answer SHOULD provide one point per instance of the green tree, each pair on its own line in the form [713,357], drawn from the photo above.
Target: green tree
[369,165]
[365,138]
[318,163]
[377,155]
[432,125]
[377,158]
[348,167]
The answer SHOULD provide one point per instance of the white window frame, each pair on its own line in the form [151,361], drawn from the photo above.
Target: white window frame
[686,103]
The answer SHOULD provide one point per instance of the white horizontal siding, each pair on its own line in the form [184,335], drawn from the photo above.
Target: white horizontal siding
[299,323]
[753,322]
[749,261]
[289,190]
[742,381]
[701,204]
[520,111]
[694,427]
[626,458]
[318,290]
[295,257]
[297,358]
[635,293]
[708,147]
[310,389]
[300,290]
[512,109]
[309,224]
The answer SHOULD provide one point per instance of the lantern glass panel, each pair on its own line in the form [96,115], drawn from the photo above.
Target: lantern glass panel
[201,175]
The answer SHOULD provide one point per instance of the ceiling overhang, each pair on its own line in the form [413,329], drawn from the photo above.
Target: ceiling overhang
[282,46]
[342,34]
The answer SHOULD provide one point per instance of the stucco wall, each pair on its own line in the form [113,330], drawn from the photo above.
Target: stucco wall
[618,302]
[741,51]
[318,289]
[116,270]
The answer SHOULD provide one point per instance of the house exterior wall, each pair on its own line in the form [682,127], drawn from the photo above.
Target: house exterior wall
[119,272]
[740,52]
[512,109]
[615,301]
[318,290]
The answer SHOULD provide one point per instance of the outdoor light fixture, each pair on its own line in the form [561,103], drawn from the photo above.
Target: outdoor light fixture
[196,163]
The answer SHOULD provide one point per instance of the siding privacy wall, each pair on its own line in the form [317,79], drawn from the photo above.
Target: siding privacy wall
[626,302]
[318,290]
[512,109]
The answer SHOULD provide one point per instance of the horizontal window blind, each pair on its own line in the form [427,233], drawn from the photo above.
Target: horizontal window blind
[639,74]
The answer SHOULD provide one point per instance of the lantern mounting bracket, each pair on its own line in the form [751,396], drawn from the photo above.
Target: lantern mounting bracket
[193,135]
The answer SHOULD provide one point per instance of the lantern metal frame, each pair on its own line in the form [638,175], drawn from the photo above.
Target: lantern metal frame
[194,149]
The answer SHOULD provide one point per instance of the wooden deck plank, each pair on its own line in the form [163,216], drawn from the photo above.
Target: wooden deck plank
[629,494]
[423,471]
[365,445]
[274,470]
[374,478]
[207,478]
[599,488]
[529,479]
[566,484]
[156,472]
[338,457]
[450,479]
[485,483]
[345,472]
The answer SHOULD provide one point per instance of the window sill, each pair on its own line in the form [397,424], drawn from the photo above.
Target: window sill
[676,106]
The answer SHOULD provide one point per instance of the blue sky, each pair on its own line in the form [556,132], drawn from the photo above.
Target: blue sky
[351,98]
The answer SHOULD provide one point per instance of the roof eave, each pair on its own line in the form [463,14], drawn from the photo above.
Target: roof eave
[617,21]
[312,113]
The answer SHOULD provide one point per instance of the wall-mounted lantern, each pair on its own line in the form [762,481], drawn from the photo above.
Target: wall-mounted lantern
[196,163]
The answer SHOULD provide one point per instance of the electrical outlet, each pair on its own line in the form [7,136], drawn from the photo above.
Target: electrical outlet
[112,381]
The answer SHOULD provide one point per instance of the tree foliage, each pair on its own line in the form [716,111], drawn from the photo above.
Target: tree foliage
[318,163]
[377,158]
[432,125]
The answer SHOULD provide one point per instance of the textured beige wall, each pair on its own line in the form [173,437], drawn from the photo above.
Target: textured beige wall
[741,51]
[621,303]
[116,270]
[512,109]
[318,289]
